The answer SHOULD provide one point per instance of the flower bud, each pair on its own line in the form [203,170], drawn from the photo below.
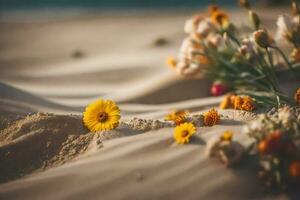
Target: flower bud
[254,19]
[261,38]
[245,4]
[218,88]
[296,55]
[295,8]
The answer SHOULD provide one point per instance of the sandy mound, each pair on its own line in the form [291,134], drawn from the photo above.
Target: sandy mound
[40,141]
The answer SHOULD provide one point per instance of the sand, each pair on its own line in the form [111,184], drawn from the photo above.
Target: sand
[50,69]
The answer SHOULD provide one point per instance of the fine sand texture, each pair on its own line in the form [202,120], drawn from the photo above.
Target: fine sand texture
[51,69]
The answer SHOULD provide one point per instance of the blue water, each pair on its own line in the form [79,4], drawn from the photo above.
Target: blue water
[108,4]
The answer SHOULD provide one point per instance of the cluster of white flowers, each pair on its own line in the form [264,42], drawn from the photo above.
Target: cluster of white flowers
[192,58]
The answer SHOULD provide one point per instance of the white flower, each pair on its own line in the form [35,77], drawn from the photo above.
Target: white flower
[189,26]
[286,116]
[247,48]
[286,26]
[205,27]
[216,41]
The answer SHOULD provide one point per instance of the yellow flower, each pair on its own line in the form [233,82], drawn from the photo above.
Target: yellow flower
[211,117]
[177,117]
[219,17]
[297,96]
[101,115]
[183,132]
[227,136]
[171,62]
[226,103]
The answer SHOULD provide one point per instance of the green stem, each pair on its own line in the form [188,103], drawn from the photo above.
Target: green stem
[284,57]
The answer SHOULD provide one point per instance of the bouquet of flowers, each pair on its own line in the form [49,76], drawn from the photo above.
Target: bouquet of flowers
[277,144]
[248,63]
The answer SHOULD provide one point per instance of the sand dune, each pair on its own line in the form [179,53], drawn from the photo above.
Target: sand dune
[53,156]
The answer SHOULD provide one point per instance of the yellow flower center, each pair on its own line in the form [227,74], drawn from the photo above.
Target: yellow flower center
[103,116]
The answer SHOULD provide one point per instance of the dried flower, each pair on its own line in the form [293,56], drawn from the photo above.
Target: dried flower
[183,132]
[254,19]
[101,115]
[262,38]
[297,96]
[227,136]
[171,62]
[211,117]
[178,117]
[294,169]
[218,88]
[296,55]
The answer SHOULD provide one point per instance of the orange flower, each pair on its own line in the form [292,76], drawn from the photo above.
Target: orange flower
[294,169]
[212,9]
[220,18]
[211,117]
[178,117]
[271,144]
[238,102]
[226,103]
[247,104]
[297,96]
[171,62]
[296,55]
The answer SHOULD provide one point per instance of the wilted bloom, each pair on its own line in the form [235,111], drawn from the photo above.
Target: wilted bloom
[254,19]
[262,38]
[296,55]
[211,117]
[294,169]
[297,96]
[177,117]
[218,88]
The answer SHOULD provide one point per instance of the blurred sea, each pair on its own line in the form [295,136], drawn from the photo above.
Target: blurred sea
[39,10]
[107,4]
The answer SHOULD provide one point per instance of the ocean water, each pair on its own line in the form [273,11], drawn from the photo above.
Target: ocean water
[108,4]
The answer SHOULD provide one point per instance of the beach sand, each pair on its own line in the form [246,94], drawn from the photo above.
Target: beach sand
[50,70]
